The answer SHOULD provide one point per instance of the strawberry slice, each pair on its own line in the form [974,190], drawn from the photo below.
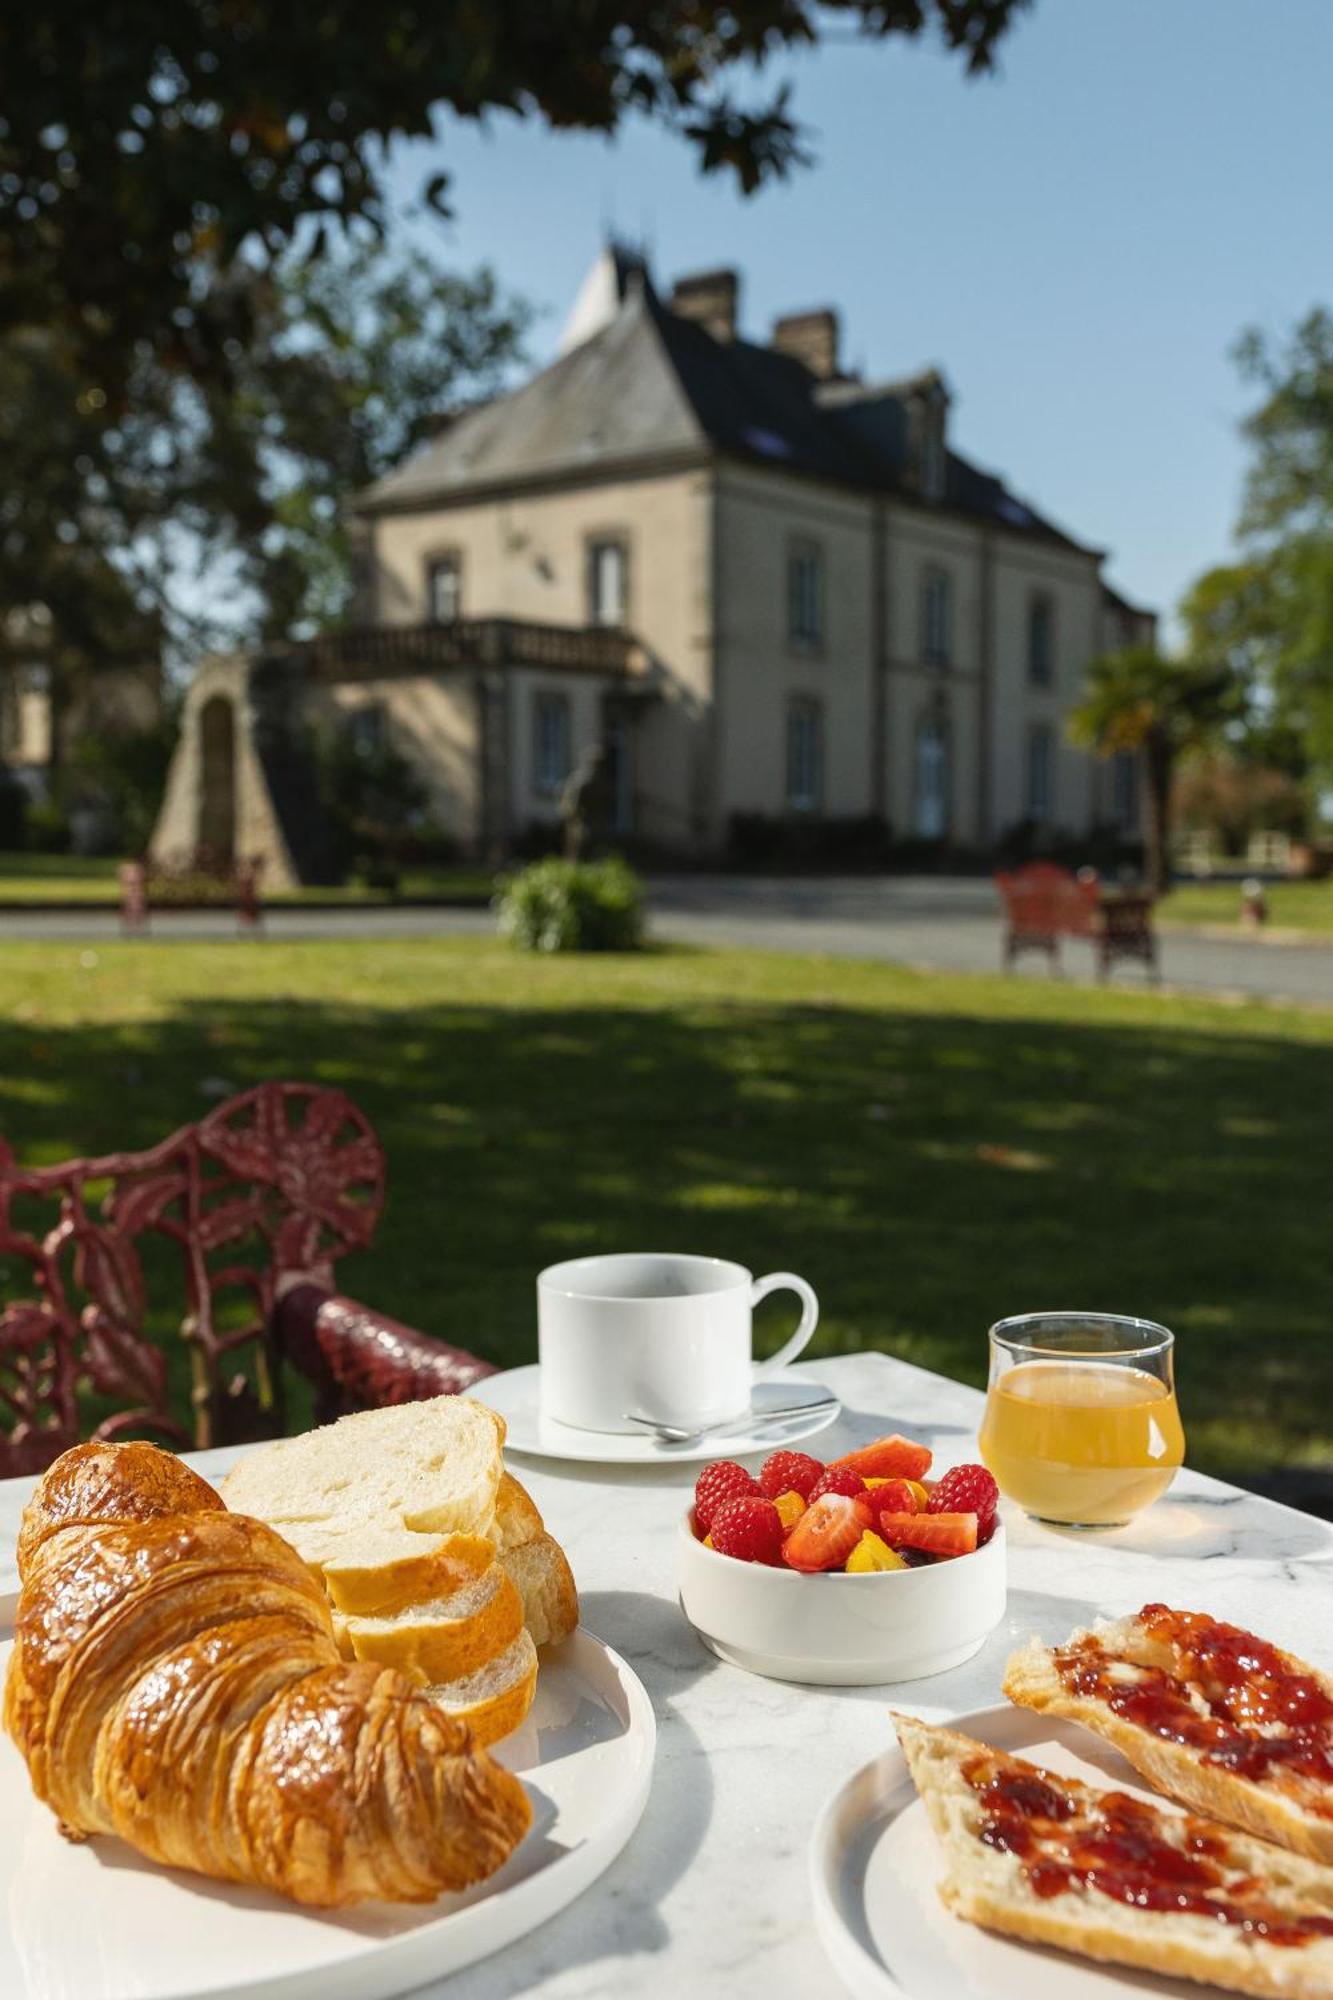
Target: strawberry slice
[896,1496]
[828,1531]
[889,1458]
[935,1534]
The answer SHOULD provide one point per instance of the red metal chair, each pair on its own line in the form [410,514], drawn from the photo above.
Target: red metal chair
[1044,903]
[257,1202]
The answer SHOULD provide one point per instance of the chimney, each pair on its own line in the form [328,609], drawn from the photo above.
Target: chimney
[811,337]
[709,297]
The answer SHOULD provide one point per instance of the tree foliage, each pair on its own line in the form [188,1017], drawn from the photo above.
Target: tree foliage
[1271,613]
[145,148]
[1141,700]
[207,509]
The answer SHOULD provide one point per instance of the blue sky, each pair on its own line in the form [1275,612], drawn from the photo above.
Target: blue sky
[1077,242]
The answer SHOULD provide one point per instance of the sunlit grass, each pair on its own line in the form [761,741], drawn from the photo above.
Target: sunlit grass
[1302,906]
[931,1152]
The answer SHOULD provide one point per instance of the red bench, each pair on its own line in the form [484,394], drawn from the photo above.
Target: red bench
[1044,903]
[198,884]
[251,1209]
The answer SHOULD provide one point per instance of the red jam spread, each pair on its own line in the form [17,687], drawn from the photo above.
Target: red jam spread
[1256,1717]
[1117,1845]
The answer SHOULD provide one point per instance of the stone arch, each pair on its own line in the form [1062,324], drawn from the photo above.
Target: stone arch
[217,780]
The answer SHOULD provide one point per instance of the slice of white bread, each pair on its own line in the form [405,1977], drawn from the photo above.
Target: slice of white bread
[988,1883]
[494,1700]
[1185,1662]
[374,1572]
[443,1638]
[545,1583]
[434,1467]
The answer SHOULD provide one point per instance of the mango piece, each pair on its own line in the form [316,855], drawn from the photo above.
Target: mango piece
[872,1553]
[921,1493]
[708,1541]
[790,1507]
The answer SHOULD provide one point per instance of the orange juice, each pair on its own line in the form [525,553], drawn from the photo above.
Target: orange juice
[1084,1442]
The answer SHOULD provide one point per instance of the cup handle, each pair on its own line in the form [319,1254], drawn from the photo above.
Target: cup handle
[787,1281]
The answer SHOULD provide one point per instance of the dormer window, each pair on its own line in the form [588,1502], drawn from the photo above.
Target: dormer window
[444,589]
[608,581]
[936,618]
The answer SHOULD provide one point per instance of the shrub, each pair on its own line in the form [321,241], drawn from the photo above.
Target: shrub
[559,905]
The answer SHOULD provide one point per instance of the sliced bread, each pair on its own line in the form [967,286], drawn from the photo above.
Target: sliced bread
[434,1467]
[494,1700]
[399,1510]
[1049,1860]
[1221,1720]
[545,1583]
[374,1572]
[442,1639]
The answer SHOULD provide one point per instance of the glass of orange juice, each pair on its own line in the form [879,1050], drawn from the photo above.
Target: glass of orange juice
[1081,1425]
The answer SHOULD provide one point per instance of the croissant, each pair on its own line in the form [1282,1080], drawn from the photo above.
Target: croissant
[175,1681]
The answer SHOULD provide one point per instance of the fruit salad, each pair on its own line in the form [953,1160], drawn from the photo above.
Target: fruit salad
[874,1509]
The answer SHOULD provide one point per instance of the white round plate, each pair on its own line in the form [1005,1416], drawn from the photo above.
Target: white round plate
[874,1866]
[96,1922]
[516,1394]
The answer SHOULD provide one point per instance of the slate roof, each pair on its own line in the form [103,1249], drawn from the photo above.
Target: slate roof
[654,385]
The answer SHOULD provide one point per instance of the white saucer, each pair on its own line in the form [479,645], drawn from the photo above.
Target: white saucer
[874,1866]
[516,1394]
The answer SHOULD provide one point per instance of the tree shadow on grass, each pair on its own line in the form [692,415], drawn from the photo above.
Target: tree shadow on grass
[927,1174]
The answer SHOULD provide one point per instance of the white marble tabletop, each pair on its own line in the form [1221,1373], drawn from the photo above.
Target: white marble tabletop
[710,1896]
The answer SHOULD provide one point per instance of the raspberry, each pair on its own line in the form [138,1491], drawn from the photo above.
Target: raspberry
[749,1528]
[722,1480]
[838,1479]
[968,1489]
[789,1472]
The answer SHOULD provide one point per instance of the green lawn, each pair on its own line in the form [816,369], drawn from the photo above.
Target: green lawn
[64,878]
[1301,906]
[931,1152]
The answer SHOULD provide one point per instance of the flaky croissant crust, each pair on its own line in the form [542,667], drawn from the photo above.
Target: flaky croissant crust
[175,1681]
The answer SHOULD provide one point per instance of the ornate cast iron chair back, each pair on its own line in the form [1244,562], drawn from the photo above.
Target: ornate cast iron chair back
[260,1198]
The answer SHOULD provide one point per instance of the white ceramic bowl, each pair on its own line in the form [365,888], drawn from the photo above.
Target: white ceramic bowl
[839,1630]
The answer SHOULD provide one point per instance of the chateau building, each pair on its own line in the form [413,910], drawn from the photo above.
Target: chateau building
[765,585]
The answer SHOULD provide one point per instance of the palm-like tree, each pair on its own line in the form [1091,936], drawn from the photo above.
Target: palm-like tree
[1139,700]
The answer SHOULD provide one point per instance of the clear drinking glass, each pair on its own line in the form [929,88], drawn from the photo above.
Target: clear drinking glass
[1081,1425]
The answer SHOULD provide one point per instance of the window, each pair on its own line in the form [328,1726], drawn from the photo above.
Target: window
[936,618]
[1125,790]
[1041,771]
[931,788]
[608,582]
[1041,641]
[805,595]
[444,589]
[805,754]
[550,755]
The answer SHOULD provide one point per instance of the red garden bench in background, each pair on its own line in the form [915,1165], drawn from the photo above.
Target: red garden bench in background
[247,1213]
[1044,903]
[199,883]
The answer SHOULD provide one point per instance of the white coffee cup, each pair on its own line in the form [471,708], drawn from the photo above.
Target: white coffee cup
[667,1336]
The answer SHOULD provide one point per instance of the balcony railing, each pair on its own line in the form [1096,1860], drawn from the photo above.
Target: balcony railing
[381,652]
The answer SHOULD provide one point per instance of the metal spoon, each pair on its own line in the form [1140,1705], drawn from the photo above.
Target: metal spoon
[681,1434]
